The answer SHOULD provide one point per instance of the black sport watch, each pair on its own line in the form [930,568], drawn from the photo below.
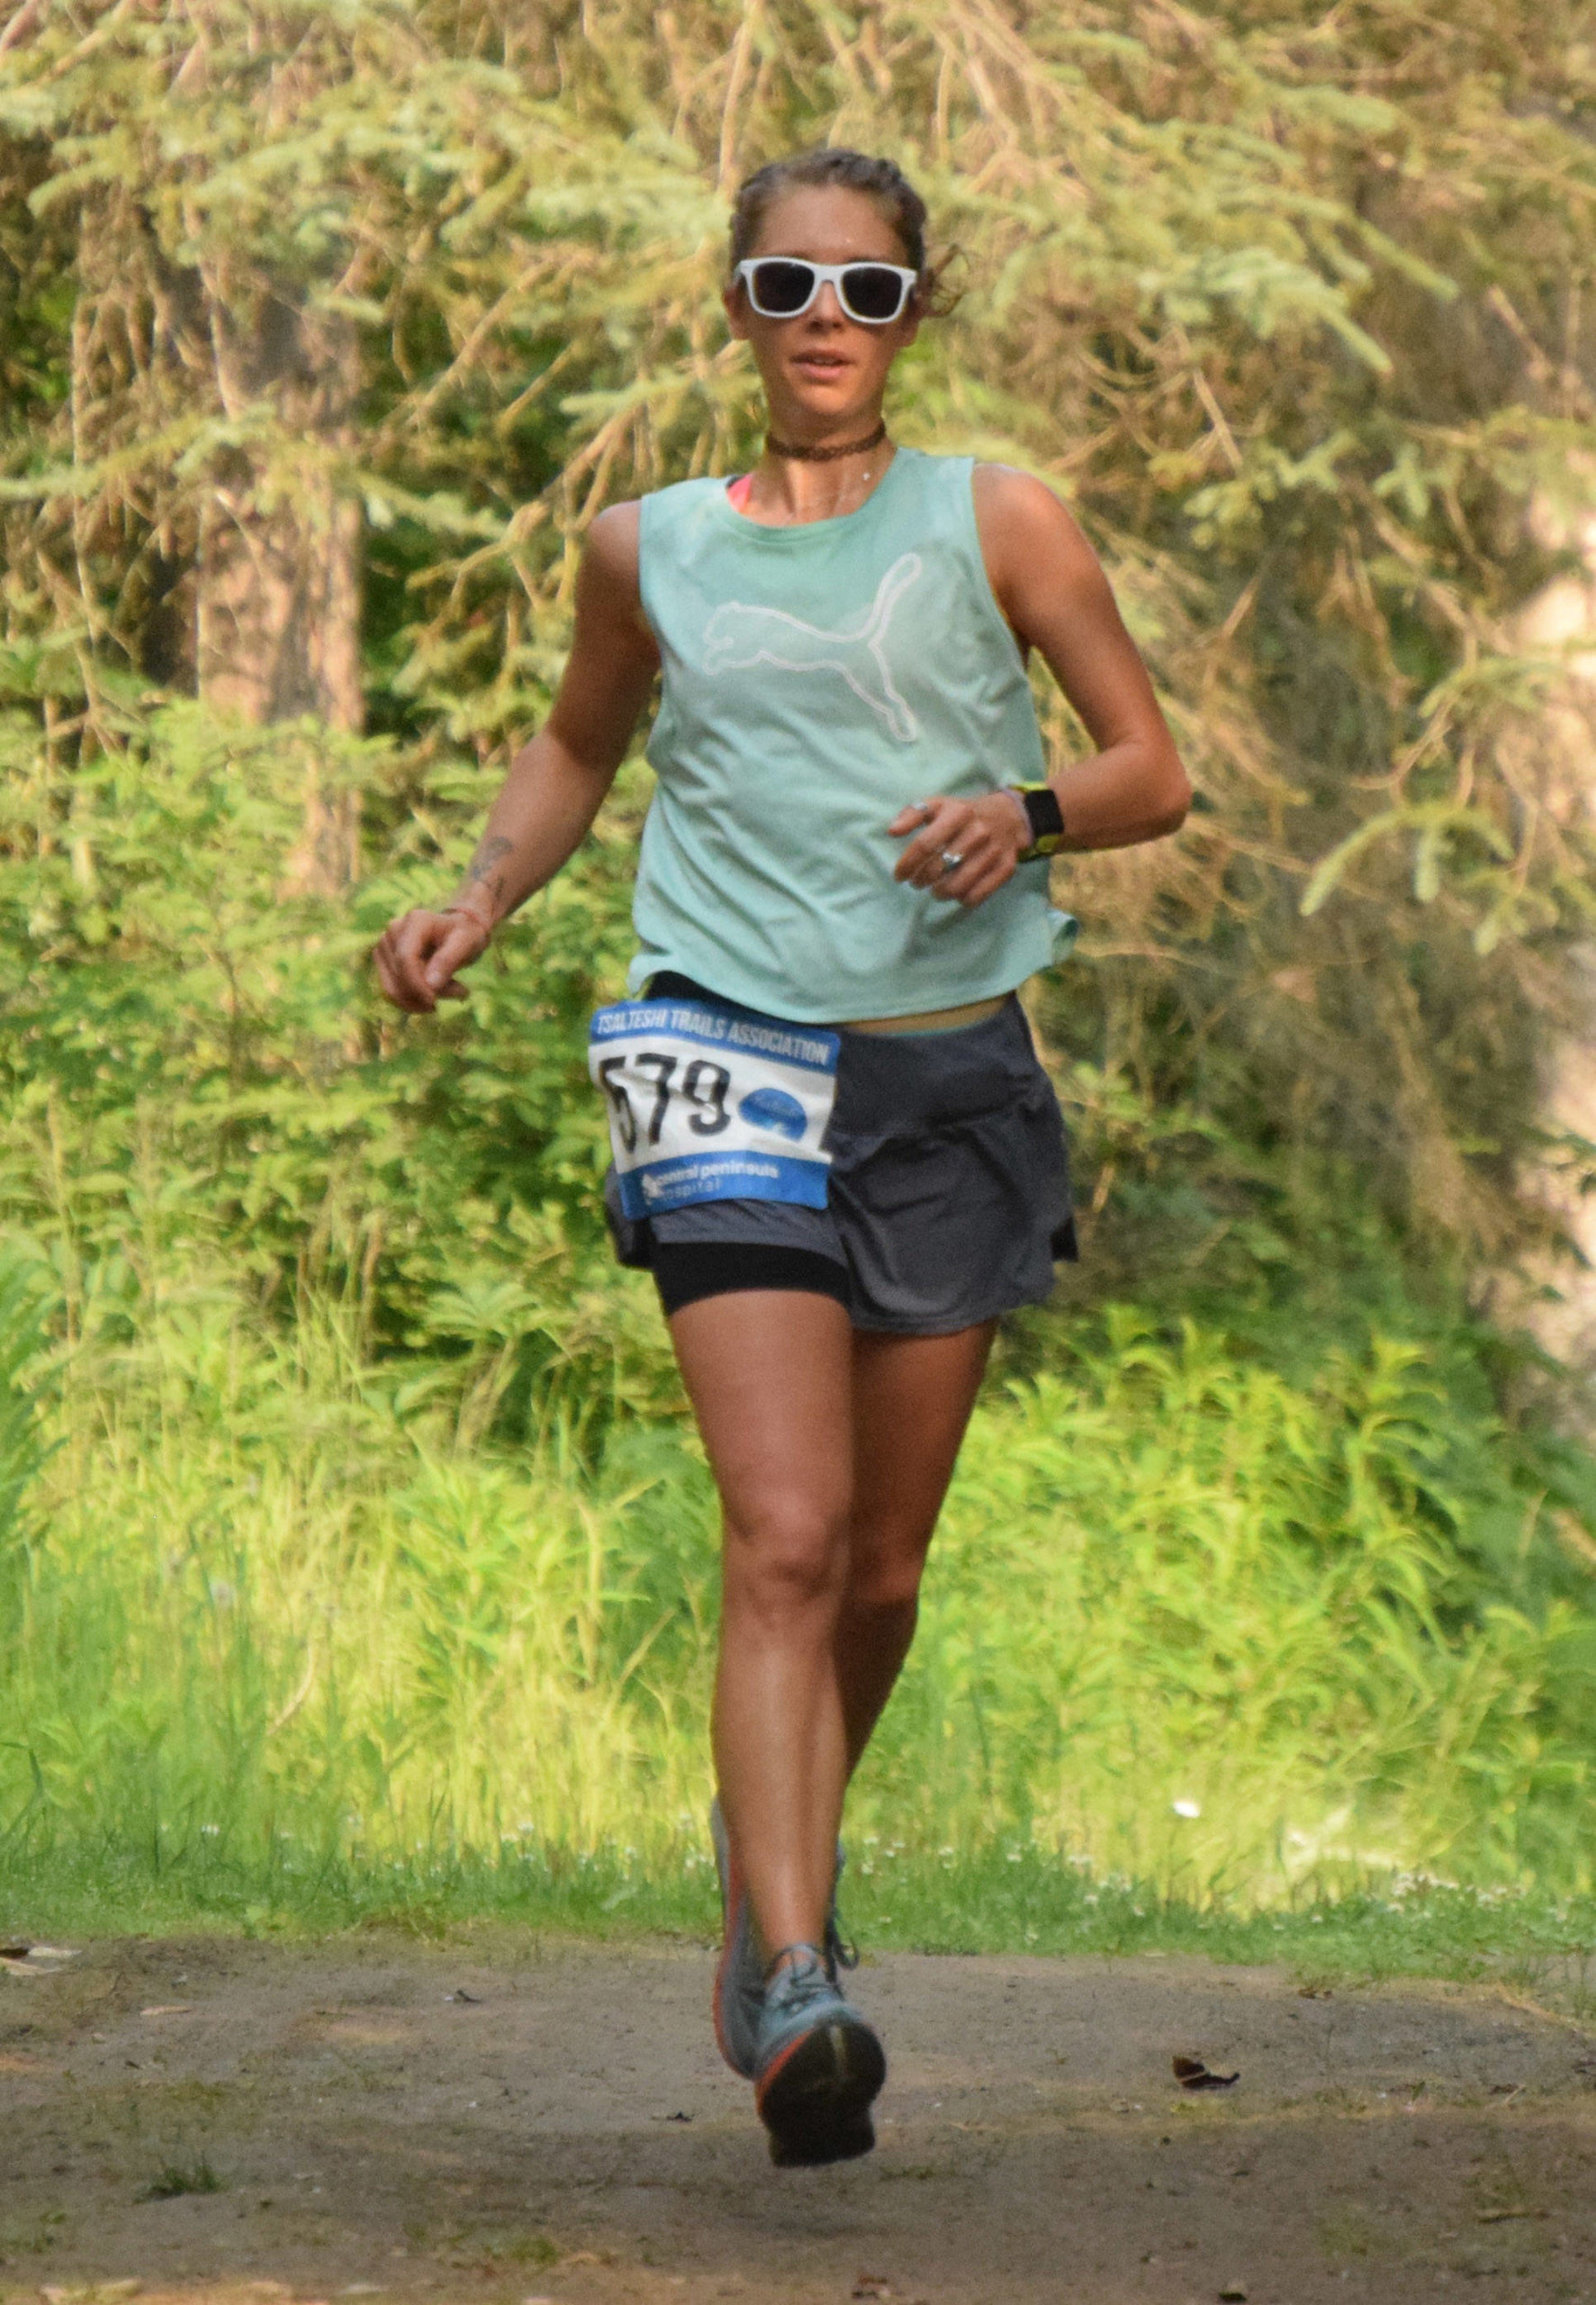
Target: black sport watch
[1046,818]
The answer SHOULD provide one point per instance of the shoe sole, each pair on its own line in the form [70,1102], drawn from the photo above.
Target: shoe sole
[816,2098]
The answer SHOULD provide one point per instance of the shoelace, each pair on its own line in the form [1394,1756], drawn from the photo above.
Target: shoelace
[840,1952]
[797,1974]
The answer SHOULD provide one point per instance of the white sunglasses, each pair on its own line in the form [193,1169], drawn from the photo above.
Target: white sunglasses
[780,288]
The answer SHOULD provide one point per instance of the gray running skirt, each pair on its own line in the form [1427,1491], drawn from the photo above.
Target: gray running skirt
[949,1197]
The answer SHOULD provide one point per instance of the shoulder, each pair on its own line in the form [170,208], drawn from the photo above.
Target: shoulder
[608,590]
[617,537]
[612,554]
[1031,542]
[665,508]
[612,541]
[1014,507]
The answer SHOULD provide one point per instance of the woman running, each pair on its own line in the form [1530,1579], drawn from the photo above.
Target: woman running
[835,1146]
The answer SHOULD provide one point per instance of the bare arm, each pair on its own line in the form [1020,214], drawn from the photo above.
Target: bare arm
[555,782]
[1049,585]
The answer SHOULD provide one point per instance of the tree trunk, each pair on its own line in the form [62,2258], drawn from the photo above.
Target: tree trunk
[1561,1310]
[278,596]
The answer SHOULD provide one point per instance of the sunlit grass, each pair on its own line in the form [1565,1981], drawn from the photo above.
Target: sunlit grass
[1016,1899]
[1199,1643]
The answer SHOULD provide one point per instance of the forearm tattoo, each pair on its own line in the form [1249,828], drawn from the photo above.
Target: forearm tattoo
[480,873]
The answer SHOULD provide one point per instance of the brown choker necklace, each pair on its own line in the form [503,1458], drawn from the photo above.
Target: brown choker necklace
[775,448]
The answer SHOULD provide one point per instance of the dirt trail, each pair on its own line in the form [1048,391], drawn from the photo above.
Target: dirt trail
[509,2122]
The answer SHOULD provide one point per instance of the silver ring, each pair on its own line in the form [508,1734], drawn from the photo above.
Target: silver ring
[951,860]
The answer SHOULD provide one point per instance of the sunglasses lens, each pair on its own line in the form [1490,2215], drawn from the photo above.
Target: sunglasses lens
[782,285]
[872,292]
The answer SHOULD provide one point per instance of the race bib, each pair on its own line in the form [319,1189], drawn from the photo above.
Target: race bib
[708,1103]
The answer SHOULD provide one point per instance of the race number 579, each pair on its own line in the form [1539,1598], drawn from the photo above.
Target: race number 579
[703,1085]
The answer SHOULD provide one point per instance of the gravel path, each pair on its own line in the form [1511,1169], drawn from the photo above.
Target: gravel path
[499,2121]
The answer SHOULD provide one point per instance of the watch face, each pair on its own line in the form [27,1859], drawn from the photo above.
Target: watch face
[1047,818]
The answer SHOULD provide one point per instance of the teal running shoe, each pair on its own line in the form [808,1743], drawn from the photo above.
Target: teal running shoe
[740,1979]
[818,2067]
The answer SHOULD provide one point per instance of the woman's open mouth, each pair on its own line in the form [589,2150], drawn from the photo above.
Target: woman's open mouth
[823,366]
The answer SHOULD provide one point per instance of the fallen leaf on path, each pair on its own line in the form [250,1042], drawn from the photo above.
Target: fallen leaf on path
[35,1960]
[88,2291]
[1193,2074]
[168,2009]
[872,2284]
[1503,2216]
[1233,2293]
[91,2292]
[473,1999]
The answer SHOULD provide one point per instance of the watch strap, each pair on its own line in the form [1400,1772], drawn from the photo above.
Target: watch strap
[1045,817]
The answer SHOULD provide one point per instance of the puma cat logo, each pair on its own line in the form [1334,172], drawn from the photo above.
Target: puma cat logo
[739,635]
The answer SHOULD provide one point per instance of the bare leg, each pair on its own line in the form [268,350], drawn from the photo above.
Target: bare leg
[769,1374]
[912,1400]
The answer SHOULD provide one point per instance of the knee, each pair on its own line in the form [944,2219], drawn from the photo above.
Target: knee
[787,1556]
[884,1576]
[881,1617]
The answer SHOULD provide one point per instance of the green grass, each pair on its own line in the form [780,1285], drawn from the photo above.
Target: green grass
[179,2178]
[1015,1900]
[1210,1657]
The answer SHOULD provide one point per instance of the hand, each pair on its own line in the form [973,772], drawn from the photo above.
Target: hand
[417,956]
[987,835]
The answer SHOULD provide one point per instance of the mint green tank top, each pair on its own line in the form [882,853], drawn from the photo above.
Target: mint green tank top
[817,678]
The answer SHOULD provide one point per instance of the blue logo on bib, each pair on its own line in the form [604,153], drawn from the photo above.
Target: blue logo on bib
[774,1109]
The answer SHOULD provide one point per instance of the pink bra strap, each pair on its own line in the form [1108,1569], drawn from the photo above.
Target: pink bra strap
[736,494]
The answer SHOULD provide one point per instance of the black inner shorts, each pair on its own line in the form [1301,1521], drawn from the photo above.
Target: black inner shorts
[686,1270]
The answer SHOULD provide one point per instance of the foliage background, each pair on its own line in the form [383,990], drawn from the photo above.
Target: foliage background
[325,331]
